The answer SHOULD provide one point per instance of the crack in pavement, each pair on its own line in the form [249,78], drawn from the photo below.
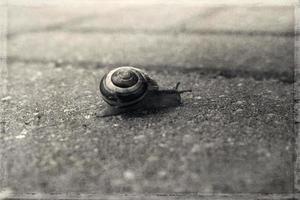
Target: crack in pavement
[209,70]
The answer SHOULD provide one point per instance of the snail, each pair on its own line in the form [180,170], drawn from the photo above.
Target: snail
[127,88]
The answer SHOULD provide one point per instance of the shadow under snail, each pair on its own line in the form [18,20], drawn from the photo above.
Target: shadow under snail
[126,89]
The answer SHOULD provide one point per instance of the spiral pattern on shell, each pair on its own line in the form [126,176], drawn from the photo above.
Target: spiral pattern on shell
[125,86]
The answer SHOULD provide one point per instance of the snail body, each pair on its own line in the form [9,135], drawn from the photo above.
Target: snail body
[129,88]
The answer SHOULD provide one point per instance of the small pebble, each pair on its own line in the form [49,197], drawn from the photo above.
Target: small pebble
[187,139]
[69,67]
[24,132]
[230,141]
[28,121]
[162,173]
[129,175]
[239,110]
[196,148]
[162,145]
[209,145]
[152,158]
[239,102]
[20,136]
[6,98]
[139,137]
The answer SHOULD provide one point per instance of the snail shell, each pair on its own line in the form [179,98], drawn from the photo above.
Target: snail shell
[125,86]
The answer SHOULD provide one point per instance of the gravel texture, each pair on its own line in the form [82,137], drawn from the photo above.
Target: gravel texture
[230,135]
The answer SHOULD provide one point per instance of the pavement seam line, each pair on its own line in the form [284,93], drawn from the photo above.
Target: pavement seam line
[284,76]
[160,32]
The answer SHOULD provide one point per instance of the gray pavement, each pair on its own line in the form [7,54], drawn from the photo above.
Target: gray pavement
[233,133]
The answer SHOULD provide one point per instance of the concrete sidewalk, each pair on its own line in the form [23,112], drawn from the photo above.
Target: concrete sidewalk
[233,133]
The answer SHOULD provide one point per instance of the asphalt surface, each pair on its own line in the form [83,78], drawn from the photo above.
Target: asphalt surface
[233,134]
